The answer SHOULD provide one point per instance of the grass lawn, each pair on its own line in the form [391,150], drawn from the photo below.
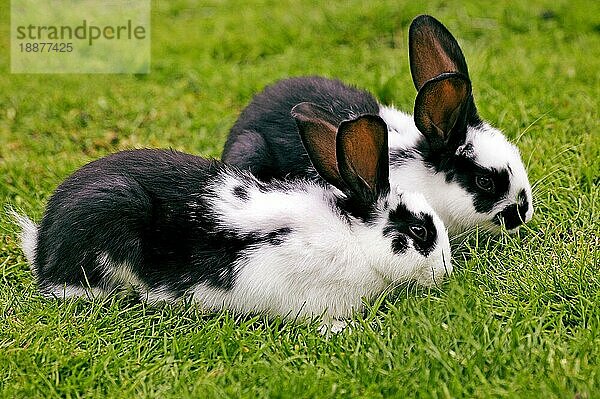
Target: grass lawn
[520,317]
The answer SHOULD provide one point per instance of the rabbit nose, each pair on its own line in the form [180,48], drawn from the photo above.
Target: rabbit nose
[523,206]
[512,216]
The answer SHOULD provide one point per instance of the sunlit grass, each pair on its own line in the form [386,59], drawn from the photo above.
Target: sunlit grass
[520,316]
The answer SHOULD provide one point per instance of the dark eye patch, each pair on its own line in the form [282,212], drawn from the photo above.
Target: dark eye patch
[466,173]
[399,225]
[460,166]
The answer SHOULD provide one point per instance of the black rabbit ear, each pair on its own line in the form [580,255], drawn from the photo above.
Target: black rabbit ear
[433,51]
[317,127]
[362,156]
[441,111]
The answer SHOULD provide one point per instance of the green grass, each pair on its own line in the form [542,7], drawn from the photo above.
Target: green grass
[520,316]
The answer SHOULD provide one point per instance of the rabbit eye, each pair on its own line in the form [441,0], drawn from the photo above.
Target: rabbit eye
[418,232]
[485,183]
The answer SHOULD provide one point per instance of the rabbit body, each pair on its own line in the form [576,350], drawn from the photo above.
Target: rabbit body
[465,168]
[172,225]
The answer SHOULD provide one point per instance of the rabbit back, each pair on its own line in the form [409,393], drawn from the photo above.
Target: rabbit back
[265,138]
[139,217]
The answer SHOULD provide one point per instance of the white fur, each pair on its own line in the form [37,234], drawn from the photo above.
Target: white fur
[270,210]
[69,291]
[28,236]
[324,264]
[119,274]
[157,295]
[452,203]
[402,132]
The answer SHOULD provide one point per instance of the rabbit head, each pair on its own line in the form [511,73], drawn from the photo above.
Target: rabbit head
[483,180]
[353,157]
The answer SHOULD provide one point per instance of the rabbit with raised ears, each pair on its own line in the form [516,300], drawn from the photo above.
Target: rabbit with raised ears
[466,169]
[171,225]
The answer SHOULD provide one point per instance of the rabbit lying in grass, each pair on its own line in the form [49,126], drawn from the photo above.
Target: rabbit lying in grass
[172,225]
[465,168]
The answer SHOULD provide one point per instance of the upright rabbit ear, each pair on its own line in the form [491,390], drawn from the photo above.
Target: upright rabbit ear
[441,110]
[317,128]
[362,157]
[433,51]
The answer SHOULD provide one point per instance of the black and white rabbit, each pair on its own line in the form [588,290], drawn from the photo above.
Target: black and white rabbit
[173,225]
[466,169]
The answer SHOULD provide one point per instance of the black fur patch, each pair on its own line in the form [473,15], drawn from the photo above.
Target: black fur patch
[277,237]
[398,227]
[352,207]
[398,157]
[465,174]
[241,192]
[513,215]
[148,209]
[462,168]
[192,251]
[265,138]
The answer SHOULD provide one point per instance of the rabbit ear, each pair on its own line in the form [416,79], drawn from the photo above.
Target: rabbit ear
[433,51]
[317,128]
[441,110]
[362,156]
